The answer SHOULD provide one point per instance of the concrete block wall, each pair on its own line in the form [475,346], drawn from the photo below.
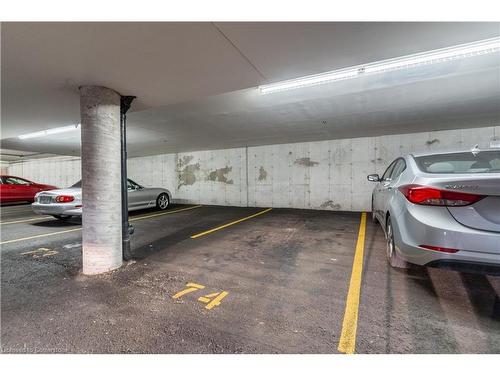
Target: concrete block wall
[58,171]
[332,174]
[154,171]
[326,175]
[4,168]
[212,177]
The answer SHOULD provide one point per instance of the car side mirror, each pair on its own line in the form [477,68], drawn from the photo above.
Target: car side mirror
[373,177]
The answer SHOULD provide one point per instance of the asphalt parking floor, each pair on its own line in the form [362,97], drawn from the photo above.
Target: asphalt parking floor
[275,283]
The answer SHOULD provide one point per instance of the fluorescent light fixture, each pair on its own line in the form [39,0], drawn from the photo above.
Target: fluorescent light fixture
[317,79]
[44,133]
[461,51]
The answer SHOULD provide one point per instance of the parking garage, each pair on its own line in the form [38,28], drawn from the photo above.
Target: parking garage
[263,134]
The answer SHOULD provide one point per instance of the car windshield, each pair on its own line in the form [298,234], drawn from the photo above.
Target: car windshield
[77,185]
[461,162]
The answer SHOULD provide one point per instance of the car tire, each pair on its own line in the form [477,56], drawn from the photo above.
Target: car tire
[162,202]
[62,217]
[392,256]
[374,217]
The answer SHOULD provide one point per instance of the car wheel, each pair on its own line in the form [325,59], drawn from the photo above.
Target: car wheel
[62,217]
[374,217]
[392,256]
[162,201]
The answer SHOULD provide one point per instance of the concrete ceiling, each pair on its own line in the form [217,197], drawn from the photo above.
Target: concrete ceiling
[196,82]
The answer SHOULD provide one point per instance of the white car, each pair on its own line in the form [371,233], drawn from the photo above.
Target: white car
[65,203]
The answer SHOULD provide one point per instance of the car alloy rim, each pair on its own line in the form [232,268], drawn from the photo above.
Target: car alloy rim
[390,243]
[163,201]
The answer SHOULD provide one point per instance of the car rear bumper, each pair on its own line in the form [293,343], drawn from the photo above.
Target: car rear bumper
[56,209]
[417,225]
[464,266]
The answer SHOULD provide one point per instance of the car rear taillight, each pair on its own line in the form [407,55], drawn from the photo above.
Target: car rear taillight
[65,198]
[439,248]
[430,196]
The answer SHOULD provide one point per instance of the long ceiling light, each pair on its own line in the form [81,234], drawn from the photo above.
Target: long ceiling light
[44,133]
[431,57]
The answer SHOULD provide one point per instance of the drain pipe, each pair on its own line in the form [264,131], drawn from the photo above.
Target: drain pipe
[127,229]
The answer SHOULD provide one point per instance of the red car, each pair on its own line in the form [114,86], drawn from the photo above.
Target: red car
[17,189]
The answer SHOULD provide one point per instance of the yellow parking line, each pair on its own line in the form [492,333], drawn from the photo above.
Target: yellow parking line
[132,219]
[39,235]
[347,341]
[25,220]
[28,209]
[76,229]
[229,224]
[164,213]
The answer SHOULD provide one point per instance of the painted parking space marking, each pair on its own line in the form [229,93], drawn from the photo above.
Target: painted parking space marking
[77,229]
[132,219]
[347,342]
[26,209]
[26,220]
[40,236]
[40,253]
[229,224]
[72,245]
[211,300]
[164,213]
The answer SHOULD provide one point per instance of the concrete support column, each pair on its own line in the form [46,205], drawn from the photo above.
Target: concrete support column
[101,179]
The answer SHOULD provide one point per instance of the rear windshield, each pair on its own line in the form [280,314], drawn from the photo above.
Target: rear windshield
[77,185]
[462,162]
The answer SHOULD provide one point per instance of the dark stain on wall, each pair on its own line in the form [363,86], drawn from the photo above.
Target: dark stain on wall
[305,162]
[186,171]
[432,142]
[331,204]
[220,175]
[262,173]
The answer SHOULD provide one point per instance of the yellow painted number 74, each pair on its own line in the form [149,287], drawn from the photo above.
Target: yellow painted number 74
[211,300]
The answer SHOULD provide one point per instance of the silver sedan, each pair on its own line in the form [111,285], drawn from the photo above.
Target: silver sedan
[65,203]
[441,209]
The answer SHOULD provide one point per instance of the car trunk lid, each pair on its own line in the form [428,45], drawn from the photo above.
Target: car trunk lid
[482,215]
[47,197]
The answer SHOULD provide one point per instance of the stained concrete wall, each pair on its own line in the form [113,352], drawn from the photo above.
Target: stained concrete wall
[212,177]
[154,171]
[58,171]
[332,174]
[328,175]
[4,168]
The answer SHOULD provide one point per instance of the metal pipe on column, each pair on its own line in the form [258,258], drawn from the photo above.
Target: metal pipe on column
[127,229]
